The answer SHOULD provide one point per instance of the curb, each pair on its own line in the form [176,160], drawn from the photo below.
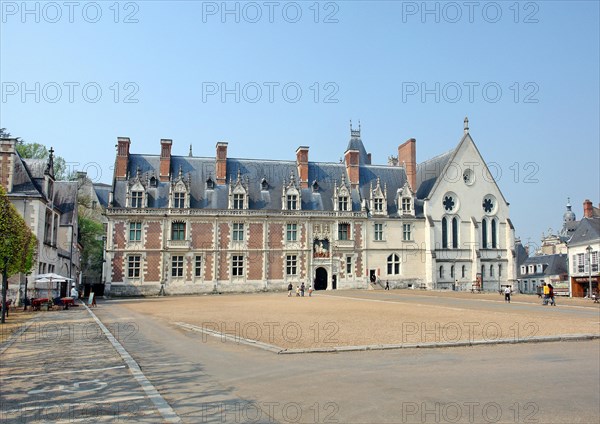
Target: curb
[363,348]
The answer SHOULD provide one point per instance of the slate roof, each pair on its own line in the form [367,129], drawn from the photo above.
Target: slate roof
[553,265]
[356,143]
[588,231]
[65,199]
[252,172]
[102,192]
[429,171]
[23,181]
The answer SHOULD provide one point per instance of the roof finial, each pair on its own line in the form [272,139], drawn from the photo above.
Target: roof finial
[354,133]
[190,154]
[466,125]
[180,171]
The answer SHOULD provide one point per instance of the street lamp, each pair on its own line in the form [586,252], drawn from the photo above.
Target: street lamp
[589,250]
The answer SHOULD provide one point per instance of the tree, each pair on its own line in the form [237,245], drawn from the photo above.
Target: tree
[17,245]
[39,151]
[4,133]
[90,237]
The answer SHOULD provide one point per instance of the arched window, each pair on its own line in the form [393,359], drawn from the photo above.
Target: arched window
[452,271]
[499,270]
[455,233]
[441,271]
[484,233]
[464,269]
[482,271]
[393,264]
[444,233]
[491,270]
[494,235]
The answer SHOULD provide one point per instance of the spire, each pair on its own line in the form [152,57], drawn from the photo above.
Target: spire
[190,154]
[180,172]
[50,165]
[466,125]
[354,133]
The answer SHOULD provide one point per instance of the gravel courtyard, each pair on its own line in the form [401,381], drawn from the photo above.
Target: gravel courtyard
[366,317]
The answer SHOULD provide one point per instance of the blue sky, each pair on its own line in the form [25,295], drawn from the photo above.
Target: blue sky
[161,68]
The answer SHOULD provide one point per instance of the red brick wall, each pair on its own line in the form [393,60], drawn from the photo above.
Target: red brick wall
[119,237]
[275,265]
[275,236]
[358,243]
[255,239]
[202,235]
[223,236]
[255,265]
[208,267]
[223,266]
[153,235]
[152,267]
[117,265]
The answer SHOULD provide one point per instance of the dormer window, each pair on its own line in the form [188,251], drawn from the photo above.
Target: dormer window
[315,186]
[378,205]
[343,203]
[292,202]
[405,200]
[406,205]
[210,184]
[238,201]
[179,200]
[290,196]
[264,185]
[523,269]
[153,182]
[378,198]
[137,199]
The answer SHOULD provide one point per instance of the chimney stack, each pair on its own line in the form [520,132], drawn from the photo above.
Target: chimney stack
[302,164]
[123,144]
[588,209]
[165,159]
[221,170]
[407,157]
[7,162]
[352,167]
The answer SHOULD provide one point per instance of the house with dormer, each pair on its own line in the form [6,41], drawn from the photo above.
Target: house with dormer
[190,224]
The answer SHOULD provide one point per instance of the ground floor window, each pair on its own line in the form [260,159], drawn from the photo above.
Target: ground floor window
[133,266]
[237,265]
[291,265]
[393,264]
[198,266]
[177,266]
[348,265]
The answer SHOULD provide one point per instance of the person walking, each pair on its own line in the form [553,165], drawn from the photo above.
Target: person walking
[310,290]
[546,291]
[551,295]
[387,285]
[507,294]
[297,291]
[302,287]
[290,288]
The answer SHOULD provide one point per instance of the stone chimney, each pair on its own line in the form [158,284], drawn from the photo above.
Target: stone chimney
[302,164]
[7,162]
[122,157]
[588,209]
[352,167]
[221,168]
[407,157]
[165,159]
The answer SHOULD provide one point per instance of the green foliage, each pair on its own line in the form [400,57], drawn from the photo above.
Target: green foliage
[90,237]
[4,133]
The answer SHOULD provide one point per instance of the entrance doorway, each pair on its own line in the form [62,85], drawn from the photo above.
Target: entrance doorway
[321,279]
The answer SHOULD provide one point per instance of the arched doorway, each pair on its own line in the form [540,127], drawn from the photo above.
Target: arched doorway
[321,279]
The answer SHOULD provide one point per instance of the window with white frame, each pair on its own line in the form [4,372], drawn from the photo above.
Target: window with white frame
[348,265]
[291,233]
[179,200]
[177,266]
[393,264]
[238,201]
[378,232]
[137,199]
[406,232]
[406,204]
[135,231]
[178,231]
[291,265]
[198,266]
[292,202]
[134,266]
[343,203]
[378,204]
[523,269]
[344,231]
[531,269]
[237,265]
[595,261]
[238,231]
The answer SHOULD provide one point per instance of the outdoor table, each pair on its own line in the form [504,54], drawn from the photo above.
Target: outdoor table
[37,303]
[67,301]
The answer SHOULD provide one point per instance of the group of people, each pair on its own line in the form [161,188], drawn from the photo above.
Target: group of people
[548,292]
[300,290]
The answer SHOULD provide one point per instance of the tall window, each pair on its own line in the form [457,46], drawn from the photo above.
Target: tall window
[452,271]
[48,227]
[177,266]
[343,203]
[238,231]
[135,231]
[291,262]
[499,270]
[441,271]
[594,261]
[137,198]
[198,266]
[444,233]
[494,236]
[406,232]
[484,233]
[406,204]
[133,266]
[482,271]
[378,204]
[348,265]
[343,231]
[464,270]
[393,264]
[237,265]
[491,270]
[292,202]
[179,200]
[378,232]
[178,231]
[291,233]
[455,233]
[238,201]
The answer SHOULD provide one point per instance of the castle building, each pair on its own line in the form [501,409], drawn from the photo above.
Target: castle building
[188,224]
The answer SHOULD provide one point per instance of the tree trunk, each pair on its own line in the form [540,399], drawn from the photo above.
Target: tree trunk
[4,289]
